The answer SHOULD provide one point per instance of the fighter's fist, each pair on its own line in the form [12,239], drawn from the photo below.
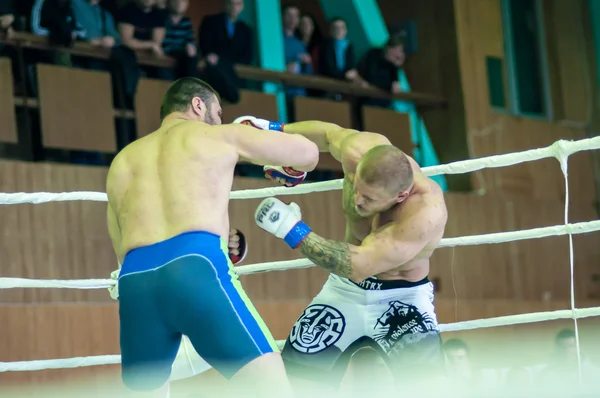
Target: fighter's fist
[282,220]
[238,248]
[286,176]
[260,124]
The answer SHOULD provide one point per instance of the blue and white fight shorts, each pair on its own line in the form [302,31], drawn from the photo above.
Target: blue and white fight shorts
[185,285]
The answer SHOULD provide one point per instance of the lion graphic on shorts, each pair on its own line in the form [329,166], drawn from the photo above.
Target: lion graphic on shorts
[402,321]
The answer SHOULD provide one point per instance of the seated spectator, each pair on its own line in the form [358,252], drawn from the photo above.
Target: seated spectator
[562,371]
[101,32]
[56,19]
[336,56]
[98,25]
[179,42]
[380,66]
[225,36]
[142,26]
[297,60]
[461,372]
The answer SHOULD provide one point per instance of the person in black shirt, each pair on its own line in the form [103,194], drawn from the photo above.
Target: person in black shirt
[142,26]
[379,67]
[179,42]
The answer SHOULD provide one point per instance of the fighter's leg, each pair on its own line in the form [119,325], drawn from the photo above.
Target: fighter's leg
[315,351]
[148,345]
[225,328]
[405,327]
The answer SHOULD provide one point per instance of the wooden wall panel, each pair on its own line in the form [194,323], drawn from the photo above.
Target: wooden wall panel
[395,126]
[494,133]
[61,240]
[8,132]
[68,240]
[76,109]
[252,103]
[337,112]
[148,99]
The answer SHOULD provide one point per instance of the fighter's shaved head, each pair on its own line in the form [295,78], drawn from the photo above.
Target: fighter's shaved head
[386,167]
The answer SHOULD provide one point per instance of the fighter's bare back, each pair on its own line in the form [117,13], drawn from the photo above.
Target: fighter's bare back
[164,184]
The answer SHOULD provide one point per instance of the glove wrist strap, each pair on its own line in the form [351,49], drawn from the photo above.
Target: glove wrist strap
[297,234]
[276,126]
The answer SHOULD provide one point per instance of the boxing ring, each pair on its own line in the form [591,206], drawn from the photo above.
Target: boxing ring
[561,150]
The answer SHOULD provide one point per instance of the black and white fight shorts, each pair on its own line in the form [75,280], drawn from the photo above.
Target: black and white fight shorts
[395,318]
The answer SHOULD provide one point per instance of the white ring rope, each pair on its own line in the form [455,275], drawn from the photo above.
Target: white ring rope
[500,237]
[64,363]
[559,149]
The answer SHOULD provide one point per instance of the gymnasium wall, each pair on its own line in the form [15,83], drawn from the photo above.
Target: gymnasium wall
[68,240]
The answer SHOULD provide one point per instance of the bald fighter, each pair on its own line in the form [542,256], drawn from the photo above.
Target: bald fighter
[378,294]
[168,197]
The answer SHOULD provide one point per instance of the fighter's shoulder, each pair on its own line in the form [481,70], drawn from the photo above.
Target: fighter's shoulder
[428,208]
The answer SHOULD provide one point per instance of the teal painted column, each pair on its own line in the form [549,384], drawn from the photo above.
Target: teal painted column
[269,44]
[368,30]
[595,17]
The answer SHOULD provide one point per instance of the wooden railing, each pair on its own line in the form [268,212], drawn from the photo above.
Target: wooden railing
[423,101]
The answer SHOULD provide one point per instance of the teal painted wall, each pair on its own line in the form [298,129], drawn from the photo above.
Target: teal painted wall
[269,43]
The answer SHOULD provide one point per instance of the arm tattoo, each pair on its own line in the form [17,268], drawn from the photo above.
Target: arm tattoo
[332,255]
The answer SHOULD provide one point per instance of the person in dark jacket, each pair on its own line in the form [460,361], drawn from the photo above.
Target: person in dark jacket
[380,66]
[225,36]
[336,58]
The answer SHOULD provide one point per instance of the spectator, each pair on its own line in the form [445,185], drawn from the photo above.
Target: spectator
[97,23]
[7,17]
[460,369]
[336,58]
[142,26]
[562,371]
[310,35]
[225,36]
[179,41]
[55,19]
[379,67]
[297,60]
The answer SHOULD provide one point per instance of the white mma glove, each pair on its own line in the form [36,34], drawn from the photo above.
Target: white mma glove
[260,124]
[282,220]
[287,175]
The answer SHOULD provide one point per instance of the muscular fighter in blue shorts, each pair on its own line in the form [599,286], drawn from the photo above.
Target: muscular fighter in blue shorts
[168,195]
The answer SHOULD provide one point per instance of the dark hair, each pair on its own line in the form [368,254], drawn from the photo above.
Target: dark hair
[395,41]
[565,334]
[455,344]
[179,96]
[336,19]
[288,6]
